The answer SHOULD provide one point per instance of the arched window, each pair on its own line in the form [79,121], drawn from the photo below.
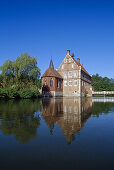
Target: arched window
[51,82]
[61,84]
[57,83]
[45,82]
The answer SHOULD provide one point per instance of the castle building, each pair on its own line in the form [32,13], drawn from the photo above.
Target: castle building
[70,79]
[52,82]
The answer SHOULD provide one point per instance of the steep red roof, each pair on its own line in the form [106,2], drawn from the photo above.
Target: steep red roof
[52,73]
[82,68]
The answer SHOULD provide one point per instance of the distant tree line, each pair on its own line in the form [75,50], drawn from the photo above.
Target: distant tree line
[20,78]
[102,83]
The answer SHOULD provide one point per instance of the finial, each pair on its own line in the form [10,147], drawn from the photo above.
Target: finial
[51,64]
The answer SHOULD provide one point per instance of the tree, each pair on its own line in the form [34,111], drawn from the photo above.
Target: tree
[25,67]
[23,70]
[102,83]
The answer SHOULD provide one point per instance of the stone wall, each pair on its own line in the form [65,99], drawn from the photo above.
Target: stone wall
[70,72]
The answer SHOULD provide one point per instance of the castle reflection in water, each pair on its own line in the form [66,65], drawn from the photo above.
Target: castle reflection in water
[69,114]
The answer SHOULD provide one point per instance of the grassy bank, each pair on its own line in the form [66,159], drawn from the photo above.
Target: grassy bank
[102,95]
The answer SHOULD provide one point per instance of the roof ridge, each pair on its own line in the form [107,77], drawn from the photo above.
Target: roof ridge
[82,67]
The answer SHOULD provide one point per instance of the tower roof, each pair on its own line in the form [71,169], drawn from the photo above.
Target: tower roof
[51,64]
[51,73]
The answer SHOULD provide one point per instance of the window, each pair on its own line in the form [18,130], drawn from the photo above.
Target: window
[70,117]
[75,82]
[70,82]
[75,74]
[62,66]
[51,82]
[65,109]
[65,74]
[72,65]
[70,74]
[70,109]
[65,60]
[75,119]
[45,82]
[61,84]
[75,110]
[65,117]
[57,83]
[65,82]
[69,60]
[51,109]
[82,83]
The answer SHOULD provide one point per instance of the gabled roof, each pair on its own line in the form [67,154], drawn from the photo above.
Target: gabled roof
[52,73]
[82,68]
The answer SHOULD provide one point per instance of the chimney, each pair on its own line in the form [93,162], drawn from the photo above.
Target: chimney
[73,55]
[68,52]
[78,60]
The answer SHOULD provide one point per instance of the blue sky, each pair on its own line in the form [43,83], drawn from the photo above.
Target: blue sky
[49,28]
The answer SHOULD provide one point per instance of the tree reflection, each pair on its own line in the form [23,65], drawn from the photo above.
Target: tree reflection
[17,118]
[102,108]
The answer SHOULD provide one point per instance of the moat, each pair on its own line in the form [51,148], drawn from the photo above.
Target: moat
[57,133]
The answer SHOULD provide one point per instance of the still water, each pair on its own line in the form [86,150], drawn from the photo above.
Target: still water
[62,133]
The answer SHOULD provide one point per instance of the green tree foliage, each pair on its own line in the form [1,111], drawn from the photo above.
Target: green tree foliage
[25,67]
[102,83]
[23,72]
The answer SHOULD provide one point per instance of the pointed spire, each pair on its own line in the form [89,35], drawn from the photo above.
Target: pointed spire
[51,64]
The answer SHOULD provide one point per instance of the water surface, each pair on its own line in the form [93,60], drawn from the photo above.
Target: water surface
[62,133]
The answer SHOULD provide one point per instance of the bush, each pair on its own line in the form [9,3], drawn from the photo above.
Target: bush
[3,93]
[24,93]
[12,93]
[8,93]
[27,93]
[85,93]
[35,93]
